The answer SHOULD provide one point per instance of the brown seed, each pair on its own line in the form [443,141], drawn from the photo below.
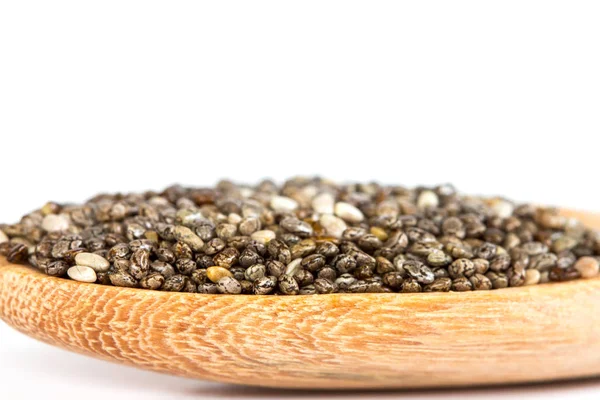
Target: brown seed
[532,277]
[499,280]
[15,252]
[379,233]
[214,274]
[587,267]
[561,275]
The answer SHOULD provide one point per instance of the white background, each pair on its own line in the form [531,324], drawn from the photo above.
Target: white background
[498,97]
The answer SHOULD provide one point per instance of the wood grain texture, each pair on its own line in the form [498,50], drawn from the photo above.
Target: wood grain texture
[542,332]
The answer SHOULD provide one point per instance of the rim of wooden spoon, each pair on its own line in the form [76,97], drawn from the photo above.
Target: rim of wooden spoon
[368,340]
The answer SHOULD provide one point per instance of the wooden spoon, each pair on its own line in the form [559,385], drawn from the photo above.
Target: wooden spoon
[337,341]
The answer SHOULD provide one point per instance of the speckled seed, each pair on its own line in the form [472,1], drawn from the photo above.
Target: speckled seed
[348,212]
[344,281]
[82,274]
[283,204]
[56,268]
[216,273]
[462,267]
[176,283]
[94,261]
[308,290]
[410,286]
[163,268]
[588,267]
[123,279]
[297,227]
[384,265]
[187,236]
[208,288]
[275,268]
[288,285]
[324,286]
[255,272]
[152,282]
[420,272]
[229,285]
[461,284]
[427,199]
[3,237]
[480,282]
[481,266]
[264,285]
[393,279]
[499,280]
[439,285]
[333,225]
[532,277]
[323,203]
[437,258]
[264,236]
[55,223]
[304,248]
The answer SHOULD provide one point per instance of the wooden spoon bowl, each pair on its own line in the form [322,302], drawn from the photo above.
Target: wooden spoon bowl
[337,341]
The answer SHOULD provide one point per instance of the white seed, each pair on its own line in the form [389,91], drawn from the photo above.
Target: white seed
[427,199]
[502,208]
[323,203]
[159,201]
[348,212]
[588,267]
[234,218]
[293,267]
[263,236]
[55,223]
[532,277]
[187,236]
[333,225]
[308,192]
[3,237]
[283,204]
[246,192]
[94,261]
[82,274]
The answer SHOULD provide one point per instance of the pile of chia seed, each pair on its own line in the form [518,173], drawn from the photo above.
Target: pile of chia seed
[307,236]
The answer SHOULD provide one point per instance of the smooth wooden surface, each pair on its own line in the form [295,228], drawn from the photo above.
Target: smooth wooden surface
[536,333]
